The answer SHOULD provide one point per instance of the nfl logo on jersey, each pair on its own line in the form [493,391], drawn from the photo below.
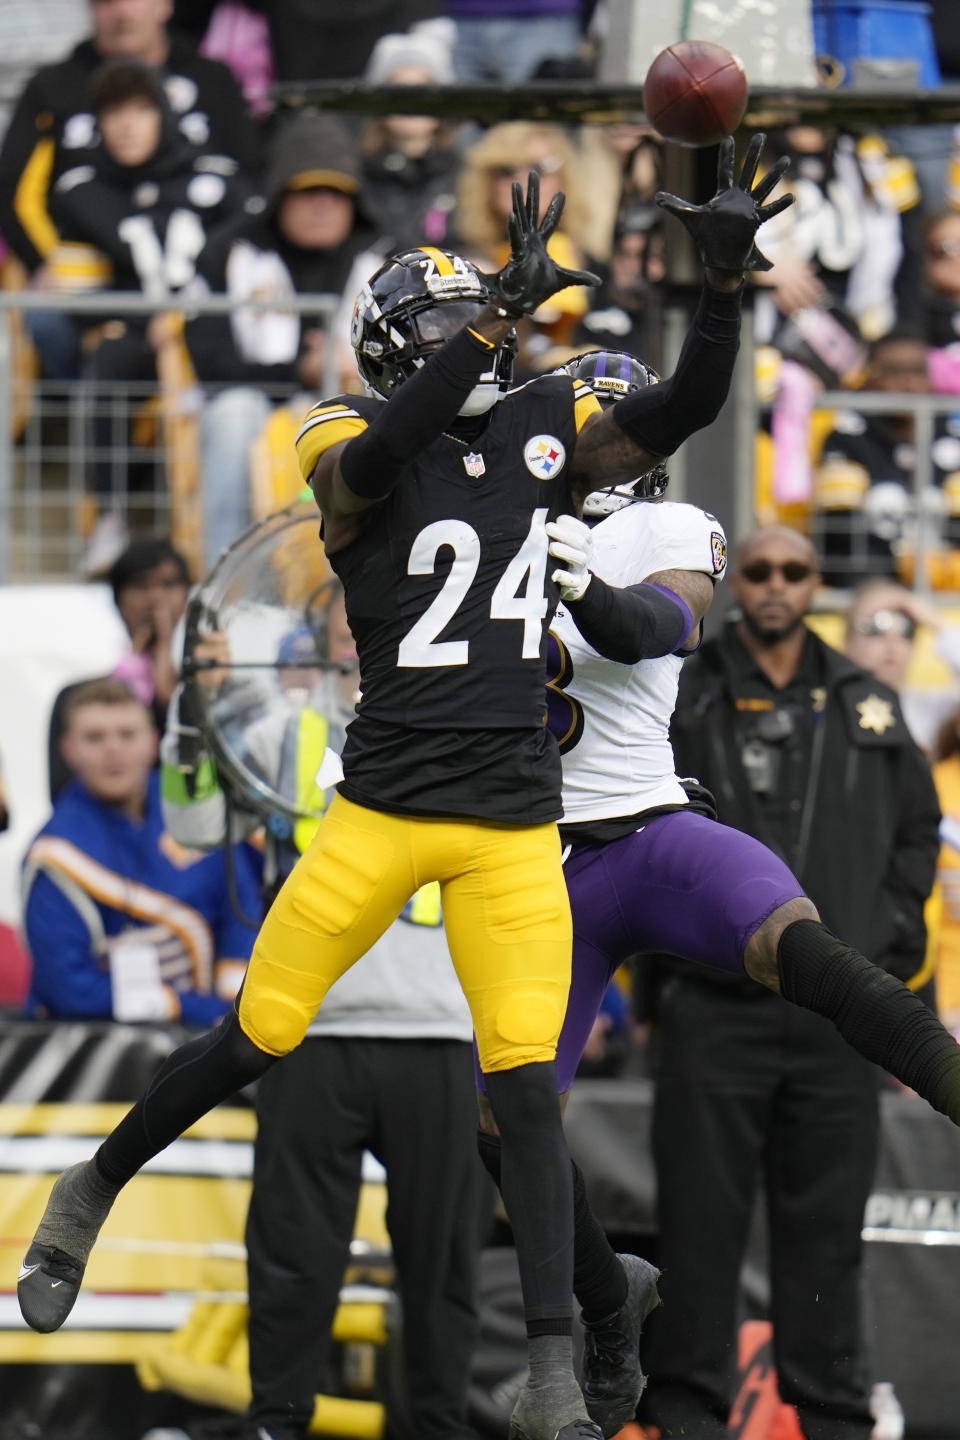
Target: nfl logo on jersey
[544,456]
[474,466]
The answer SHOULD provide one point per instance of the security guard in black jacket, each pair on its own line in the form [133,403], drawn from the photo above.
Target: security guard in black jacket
[811,755]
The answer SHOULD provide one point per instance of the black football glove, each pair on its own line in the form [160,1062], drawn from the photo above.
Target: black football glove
[723,230]
[530,276]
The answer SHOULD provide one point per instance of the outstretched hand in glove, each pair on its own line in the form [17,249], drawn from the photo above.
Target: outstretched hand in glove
[530,276]
[571,542]
[724,229]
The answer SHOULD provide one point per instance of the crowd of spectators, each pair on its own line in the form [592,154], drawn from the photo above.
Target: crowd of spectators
[152,158]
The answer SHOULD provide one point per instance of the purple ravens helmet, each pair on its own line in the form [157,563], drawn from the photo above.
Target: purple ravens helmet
[612,374]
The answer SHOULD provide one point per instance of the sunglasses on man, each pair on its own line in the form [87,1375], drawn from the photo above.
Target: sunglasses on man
[758,572]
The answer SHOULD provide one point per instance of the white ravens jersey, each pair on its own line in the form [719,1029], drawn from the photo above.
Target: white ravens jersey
[617,757]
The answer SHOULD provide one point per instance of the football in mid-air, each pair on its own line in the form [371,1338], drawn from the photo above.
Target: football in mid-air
[695,93]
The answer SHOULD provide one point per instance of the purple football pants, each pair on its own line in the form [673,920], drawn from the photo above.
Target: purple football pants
[683,885]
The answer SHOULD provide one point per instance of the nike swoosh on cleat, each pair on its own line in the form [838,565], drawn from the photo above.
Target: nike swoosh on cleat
[26,1270]
[55,1283]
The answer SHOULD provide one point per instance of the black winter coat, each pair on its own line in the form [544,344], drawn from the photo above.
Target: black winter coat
[869,857]
[149,223]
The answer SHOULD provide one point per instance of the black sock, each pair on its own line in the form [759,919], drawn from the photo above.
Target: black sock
[599,1282]
[873,1011]
[537,1189]
[191,1081]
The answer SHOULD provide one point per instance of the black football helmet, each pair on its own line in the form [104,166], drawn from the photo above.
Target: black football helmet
[612,374]
[414,302]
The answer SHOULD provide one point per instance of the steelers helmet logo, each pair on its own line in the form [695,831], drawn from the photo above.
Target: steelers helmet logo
[544,456]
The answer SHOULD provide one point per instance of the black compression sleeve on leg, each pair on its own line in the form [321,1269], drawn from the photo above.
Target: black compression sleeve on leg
[599,1281]
[418,411]
[537,1190]
[638,622]
[191,1081]
[660,417]
[873,1011]
[488,1148]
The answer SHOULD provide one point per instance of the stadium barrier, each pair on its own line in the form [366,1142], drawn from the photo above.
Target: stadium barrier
[165,1292]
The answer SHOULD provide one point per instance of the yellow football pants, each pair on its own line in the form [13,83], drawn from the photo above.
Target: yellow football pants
[505,911]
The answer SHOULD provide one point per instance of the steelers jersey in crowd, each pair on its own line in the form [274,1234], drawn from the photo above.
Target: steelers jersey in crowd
[53,129]
[864,450]
[865,502]
[449,600]
[142,227]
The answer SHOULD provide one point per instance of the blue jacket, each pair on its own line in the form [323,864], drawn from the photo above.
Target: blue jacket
[93,874]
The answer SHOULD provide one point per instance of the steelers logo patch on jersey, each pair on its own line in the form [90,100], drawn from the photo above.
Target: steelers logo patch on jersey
[718,549]
[544,456]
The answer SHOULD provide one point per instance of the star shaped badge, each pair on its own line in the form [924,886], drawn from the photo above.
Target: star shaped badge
[876,714]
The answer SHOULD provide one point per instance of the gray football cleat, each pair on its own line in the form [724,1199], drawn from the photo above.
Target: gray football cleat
[52,1270]
[612,1378]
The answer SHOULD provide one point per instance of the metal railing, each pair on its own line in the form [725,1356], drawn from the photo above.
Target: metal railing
[139,441]
[48,453]
[922,535]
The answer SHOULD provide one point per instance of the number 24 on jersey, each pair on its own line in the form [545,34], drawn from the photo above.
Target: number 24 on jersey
[518,594]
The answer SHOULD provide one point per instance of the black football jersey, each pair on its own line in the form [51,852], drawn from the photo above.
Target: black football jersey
[449,600]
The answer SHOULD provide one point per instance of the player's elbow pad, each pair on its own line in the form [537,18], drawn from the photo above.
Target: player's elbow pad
[660,417]
[638,623]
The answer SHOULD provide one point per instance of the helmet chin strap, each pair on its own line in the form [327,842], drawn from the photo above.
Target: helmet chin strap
[482,398]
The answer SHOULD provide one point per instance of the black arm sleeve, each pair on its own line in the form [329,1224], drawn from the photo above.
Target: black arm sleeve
[639,622]
[416,414]
[660,417]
